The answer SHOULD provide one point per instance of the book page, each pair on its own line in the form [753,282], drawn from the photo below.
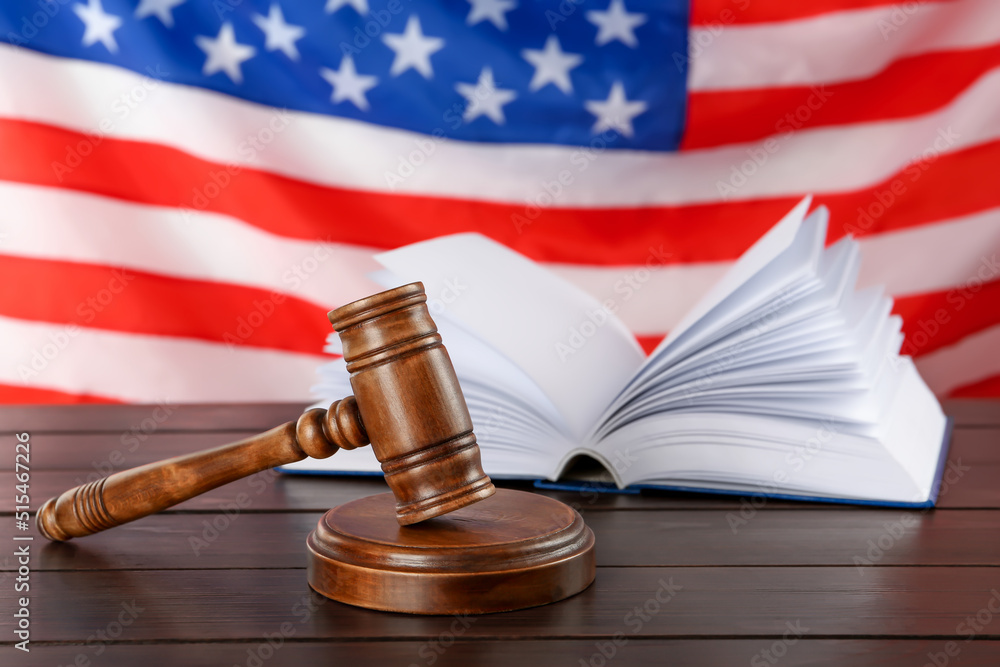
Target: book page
[577,352]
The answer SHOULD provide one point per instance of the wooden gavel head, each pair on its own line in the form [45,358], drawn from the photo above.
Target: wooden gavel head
[407,402]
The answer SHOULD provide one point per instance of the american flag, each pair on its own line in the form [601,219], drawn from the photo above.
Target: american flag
[188,186]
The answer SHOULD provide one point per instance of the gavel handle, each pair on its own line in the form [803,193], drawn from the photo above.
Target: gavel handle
[133,494]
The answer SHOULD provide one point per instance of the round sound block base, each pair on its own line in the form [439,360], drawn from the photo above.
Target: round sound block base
[510,551]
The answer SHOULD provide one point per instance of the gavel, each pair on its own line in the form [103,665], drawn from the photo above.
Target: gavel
[407,403]
[430,546]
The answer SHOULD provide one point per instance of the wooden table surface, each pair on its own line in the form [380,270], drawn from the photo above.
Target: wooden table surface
[682,579]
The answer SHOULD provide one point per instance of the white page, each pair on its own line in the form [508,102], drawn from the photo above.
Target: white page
[528,314]
[762,253]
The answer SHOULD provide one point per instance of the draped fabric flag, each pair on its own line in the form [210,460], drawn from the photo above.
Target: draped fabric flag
[188,186]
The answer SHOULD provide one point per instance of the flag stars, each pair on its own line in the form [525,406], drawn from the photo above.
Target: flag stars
[162,9]
[224,53]
[616,23]
[348,84]
[615,113]
[413,49]
[494,11]
[552,65]
[360,6]
[99,26]
[484,98]
[279,35]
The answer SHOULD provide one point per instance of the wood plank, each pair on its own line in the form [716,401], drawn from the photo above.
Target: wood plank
[61,461]
[262,416]
[224,605]
[860,540]
[168,417]
[273,491]
[103,453]
[449,649]
[971,413]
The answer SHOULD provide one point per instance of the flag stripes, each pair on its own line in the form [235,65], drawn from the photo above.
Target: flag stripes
[232,227]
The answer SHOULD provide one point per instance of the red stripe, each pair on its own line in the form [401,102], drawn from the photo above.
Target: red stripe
[692,233]
[649,342]
[714,12]
[16,394]
[935,320]
[716,118]
[988,388]
[130,301]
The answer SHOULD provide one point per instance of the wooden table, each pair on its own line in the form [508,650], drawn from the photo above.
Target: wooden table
[682,579]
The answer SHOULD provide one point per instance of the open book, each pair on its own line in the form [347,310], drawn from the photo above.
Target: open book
[783,380]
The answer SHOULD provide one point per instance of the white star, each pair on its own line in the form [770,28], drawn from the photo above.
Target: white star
[278,34]
[484,98]
[494,10]
[161,8]
[616,23]
[348,84]
[224,53]
[616,112]
[552,65]
[413,49]
[360,6]
[99,26]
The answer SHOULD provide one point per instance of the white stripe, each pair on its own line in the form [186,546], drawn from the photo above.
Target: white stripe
[648,302]
[51,223]
[930,258]
[64,225]
[834,47]
[970,360]
[351,154]
[148,369]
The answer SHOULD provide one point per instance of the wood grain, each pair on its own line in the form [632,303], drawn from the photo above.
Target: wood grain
[707,602]
[447,650]
[61,461]
[204,417]
[791,561]
[651,538]
[256,417]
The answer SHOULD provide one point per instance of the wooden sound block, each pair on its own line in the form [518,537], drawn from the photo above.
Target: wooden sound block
[510,551]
